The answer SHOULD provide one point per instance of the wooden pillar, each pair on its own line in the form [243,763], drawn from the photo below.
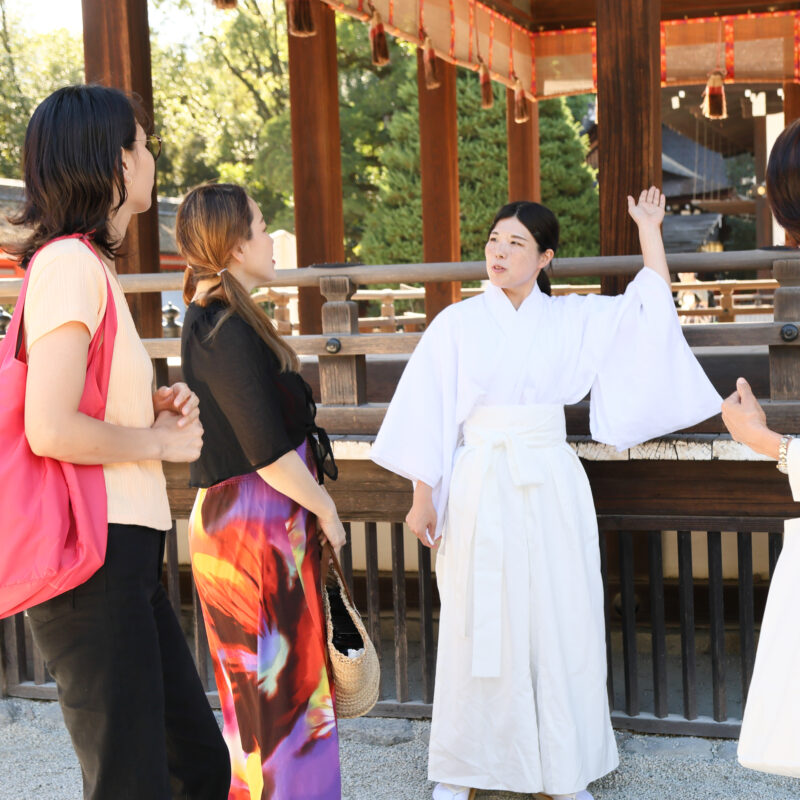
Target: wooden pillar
[784,360]
[342,379]
[316,155]
[438,157]
[629,118]
[763,214]
[116,51]
[523,153]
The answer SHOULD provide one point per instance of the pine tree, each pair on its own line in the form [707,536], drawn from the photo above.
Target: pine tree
[393,227]
[569,186]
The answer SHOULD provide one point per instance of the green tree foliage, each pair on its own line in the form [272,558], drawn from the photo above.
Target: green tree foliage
[569,186]
[393,231]
[31,66]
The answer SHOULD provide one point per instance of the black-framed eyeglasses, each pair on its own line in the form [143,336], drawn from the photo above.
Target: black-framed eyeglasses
[153,144]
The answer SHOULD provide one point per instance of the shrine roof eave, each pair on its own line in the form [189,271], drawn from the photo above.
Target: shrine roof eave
[548,15]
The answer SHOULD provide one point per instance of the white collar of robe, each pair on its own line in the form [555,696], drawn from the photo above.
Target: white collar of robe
[502,309]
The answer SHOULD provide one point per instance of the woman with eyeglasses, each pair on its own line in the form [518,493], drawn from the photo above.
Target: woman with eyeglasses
[131,697]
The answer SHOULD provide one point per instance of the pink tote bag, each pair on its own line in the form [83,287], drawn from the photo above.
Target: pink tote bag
[54,514]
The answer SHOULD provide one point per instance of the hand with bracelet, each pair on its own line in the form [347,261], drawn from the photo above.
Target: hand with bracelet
[747,423]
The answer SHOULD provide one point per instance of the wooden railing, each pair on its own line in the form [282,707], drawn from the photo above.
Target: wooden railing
[634,523]
[753,296]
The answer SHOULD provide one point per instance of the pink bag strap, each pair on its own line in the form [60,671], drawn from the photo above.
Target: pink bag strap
[101,348]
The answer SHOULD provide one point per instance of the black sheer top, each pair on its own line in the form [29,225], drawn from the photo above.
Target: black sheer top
[251,412]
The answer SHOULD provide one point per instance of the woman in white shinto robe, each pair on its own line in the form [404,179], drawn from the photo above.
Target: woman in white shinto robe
[477,422]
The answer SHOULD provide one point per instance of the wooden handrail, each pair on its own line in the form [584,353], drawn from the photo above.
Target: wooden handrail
[733,261]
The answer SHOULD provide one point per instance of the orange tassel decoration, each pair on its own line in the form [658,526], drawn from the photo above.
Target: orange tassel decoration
[298,13]
[377,39]
[487,93]
[521,113]
[225,4]
[714,105]
[429,60]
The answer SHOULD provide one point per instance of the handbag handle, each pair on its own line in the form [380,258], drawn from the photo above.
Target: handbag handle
[328,558]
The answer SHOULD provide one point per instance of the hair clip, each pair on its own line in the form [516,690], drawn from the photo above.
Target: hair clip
[224,269]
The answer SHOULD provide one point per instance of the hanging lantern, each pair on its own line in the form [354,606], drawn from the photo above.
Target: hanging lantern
[487,93]
[298,13]
[377,39]
[714,105]
[225,5]
[521,113]
[430,62]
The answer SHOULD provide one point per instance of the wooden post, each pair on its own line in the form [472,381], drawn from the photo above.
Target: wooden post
[629,118]
[116,50]
[316,155]
[523,153]
[791,102]
[763,214]
[438,155]
[342,379]
[784,362]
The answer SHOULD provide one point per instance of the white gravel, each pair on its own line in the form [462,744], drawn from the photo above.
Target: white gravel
[385,759]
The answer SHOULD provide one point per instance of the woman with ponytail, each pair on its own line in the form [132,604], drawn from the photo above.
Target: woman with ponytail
[260,511]
[477,422]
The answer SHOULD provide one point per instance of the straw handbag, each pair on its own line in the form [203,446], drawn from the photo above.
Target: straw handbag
[356,680]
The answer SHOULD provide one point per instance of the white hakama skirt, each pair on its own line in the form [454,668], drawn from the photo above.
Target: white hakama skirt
[770,737]
[520,702]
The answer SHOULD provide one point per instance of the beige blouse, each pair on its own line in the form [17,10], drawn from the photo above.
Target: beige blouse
[67,284]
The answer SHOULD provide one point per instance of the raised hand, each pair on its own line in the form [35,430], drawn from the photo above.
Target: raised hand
[649,210]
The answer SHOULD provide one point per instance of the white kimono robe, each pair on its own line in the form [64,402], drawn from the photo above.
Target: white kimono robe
[770,737]
[520,701]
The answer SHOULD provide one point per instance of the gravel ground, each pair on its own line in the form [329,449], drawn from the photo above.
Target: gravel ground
[385,759]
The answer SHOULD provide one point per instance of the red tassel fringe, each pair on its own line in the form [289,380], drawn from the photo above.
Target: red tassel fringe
[714,105]
[301,22]
[377,41]
[225,5]
[487,92]
[521,113]
[432,78]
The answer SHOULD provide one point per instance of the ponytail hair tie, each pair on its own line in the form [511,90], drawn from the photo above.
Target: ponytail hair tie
[224,269]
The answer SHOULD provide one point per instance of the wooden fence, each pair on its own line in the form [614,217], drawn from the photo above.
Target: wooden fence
[638,506]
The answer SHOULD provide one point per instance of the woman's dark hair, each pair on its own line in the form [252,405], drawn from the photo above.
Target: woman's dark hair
[72,166]
[783,180]
[542,224]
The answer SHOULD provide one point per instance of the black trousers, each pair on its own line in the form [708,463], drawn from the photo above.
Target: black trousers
[132,700]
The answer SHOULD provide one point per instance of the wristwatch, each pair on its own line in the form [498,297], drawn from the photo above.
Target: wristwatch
[783,452]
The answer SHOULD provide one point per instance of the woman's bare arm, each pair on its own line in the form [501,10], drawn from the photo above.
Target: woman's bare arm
[55,428]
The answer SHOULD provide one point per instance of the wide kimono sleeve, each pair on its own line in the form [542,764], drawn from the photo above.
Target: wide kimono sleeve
[418,436]
[648,382]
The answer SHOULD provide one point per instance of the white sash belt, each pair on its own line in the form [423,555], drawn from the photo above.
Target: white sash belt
[513,433]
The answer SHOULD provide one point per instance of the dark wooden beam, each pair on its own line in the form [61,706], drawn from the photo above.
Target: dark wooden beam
[316,155]
[523,153]
[763,214]
[629,118]
[116,49]
[438,157]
